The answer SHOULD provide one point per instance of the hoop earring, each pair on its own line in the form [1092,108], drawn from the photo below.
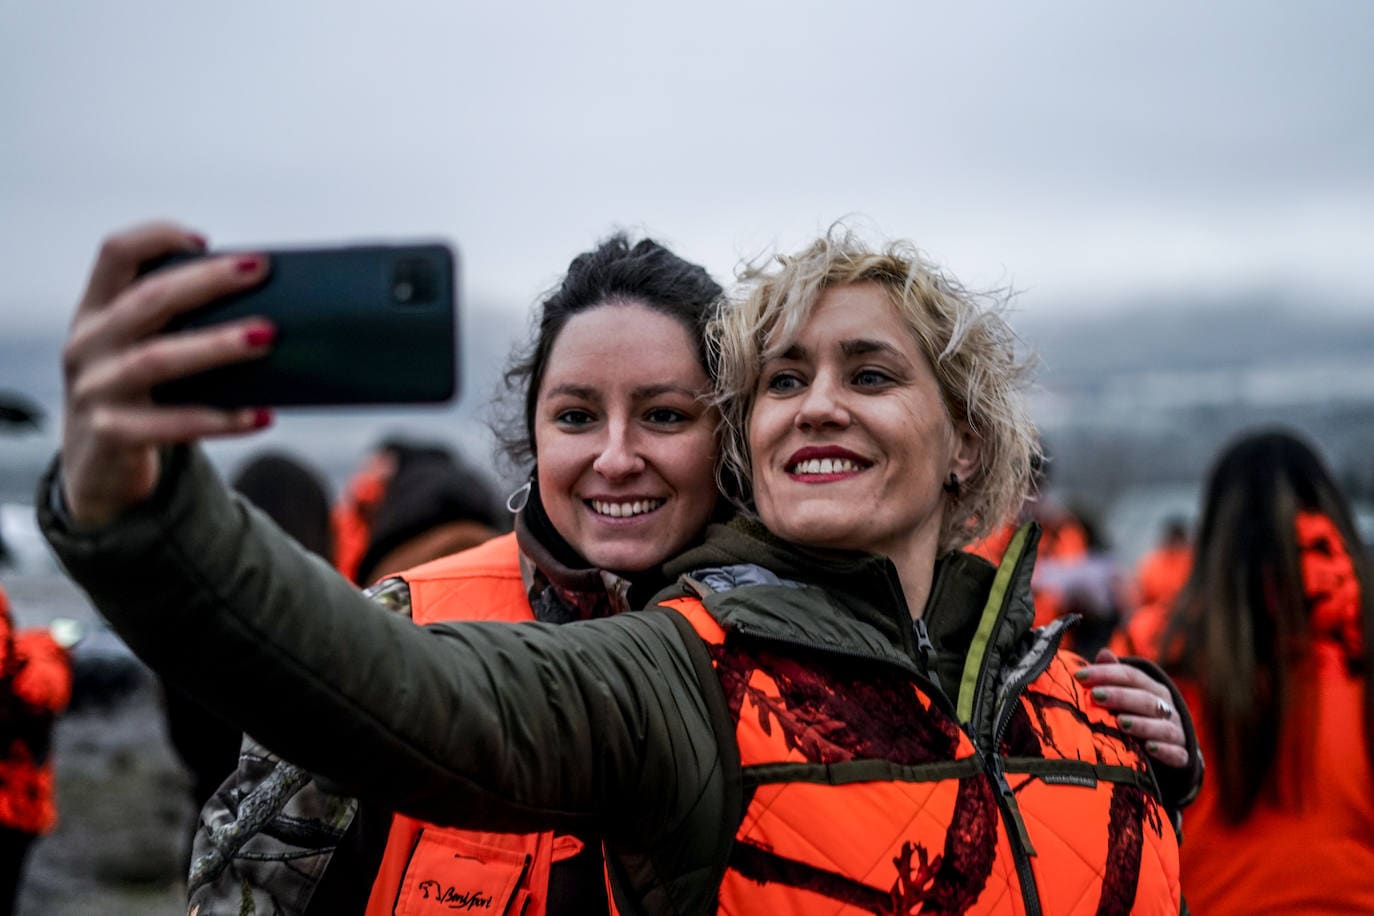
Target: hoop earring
[951,486]
[517,500]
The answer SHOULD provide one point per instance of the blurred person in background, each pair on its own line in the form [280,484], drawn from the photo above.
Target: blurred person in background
[35,686]
[1161,574]
[1087,584]
[1159,577]
[409,503]
[1270,642]
[1063,543]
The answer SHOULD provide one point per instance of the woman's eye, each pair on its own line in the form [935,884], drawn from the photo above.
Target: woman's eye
[574,417]
[665,416]
[868,378]
[784,382]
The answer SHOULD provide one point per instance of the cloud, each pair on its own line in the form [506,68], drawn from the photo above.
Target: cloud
[1081,151]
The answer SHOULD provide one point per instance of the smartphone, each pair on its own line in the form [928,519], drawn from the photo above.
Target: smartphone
[358,324]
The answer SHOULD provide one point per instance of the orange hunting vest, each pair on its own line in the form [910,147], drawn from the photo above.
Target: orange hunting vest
[35,686]
[430,869]
[865,795]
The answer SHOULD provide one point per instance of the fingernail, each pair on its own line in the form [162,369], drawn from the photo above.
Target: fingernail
[248,264]
[1152,746]
[1124,723]
[198,241]
[262,417]
[1099,693]
[260,335]
[1082,674]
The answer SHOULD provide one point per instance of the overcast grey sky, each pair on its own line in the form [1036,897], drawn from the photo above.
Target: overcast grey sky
[1083,151]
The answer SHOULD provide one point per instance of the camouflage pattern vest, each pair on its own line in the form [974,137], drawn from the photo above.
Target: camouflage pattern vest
[867,790]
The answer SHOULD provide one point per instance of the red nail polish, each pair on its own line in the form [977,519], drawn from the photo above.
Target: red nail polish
[260,336]
[262,417]
[248,264]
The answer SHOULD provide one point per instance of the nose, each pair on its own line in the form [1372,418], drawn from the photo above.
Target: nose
[822,405]
[620,456]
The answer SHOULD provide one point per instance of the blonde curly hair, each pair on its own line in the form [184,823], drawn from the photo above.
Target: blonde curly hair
[971,349]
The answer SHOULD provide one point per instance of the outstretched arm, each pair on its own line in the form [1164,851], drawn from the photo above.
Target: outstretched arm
[512,727]
[491,725]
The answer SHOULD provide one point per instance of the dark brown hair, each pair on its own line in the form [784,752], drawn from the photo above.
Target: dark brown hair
[615,271]
[1241,622]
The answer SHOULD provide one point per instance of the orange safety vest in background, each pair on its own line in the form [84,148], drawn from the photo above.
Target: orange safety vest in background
[35,686]
[865,795]
[1063,540]
[431,869]
[1161,575]
[1143,634]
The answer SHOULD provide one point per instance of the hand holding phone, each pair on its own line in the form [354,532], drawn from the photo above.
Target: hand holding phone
[366,324]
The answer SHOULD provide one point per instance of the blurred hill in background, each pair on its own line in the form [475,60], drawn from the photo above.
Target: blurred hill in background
[1133,399]
[1147,394]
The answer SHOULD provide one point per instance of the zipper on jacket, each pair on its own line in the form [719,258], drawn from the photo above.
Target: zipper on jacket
[1021,848]
[1002,716]
[924,646]
[974,682]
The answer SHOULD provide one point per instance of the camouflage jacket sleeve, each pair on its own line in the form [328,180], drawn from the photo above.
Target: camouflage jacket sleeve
[270,832]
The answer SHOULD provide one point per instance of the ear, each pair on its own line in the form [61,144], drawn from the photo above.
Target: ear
[968,449]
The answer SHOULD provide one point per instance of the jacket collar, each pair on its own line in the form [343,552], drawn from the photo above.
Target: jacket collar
[561,584]
[832,585]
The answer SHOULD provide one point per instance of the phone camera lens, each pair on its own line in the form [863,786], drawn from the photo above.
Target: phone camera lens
[414,281]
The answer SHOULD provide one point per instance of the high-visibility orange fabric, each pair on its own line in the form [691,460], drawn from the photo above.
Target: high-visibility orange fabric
[430,869]
[1143,634]
[1307,846]
[36,683]
[352,517]
[992,547]
[1063,540]
[897,812]
[1161,574]
[1317,858]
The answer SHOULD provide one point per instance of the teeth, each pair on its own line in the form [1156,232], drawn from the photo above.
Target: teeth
[826,466]
[625,510]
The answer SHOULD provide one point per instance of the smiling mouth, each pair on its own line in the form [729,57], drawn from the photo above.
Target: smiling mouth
[826,466]
[624,509]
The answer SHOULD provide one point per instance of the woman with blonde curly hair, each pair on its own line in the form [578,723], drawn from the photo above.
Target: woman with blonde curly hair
[832,710]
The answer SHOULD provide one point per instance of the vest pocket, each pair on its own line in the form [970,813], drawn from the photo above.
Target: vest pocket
[451,872]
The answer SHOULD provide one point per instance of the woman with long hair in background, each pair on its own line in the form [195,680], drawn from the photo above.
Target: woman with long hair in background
[1270,643]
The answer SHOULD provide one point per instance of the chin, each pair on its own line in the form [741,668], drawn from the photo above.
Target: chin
[622,561]
[813,525]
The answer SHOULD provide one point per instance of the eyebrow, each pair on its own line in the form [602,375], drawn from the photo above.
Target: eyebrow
[859,346]
[642,393]
[863,346]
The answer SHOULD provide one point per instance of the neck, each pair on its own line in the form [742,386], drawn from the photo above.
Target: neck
[915,562]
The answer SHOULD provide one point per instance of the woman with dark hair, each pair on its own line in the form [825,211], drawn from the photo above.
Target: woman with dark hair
[1270,641]
[846,711]
[621,454]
